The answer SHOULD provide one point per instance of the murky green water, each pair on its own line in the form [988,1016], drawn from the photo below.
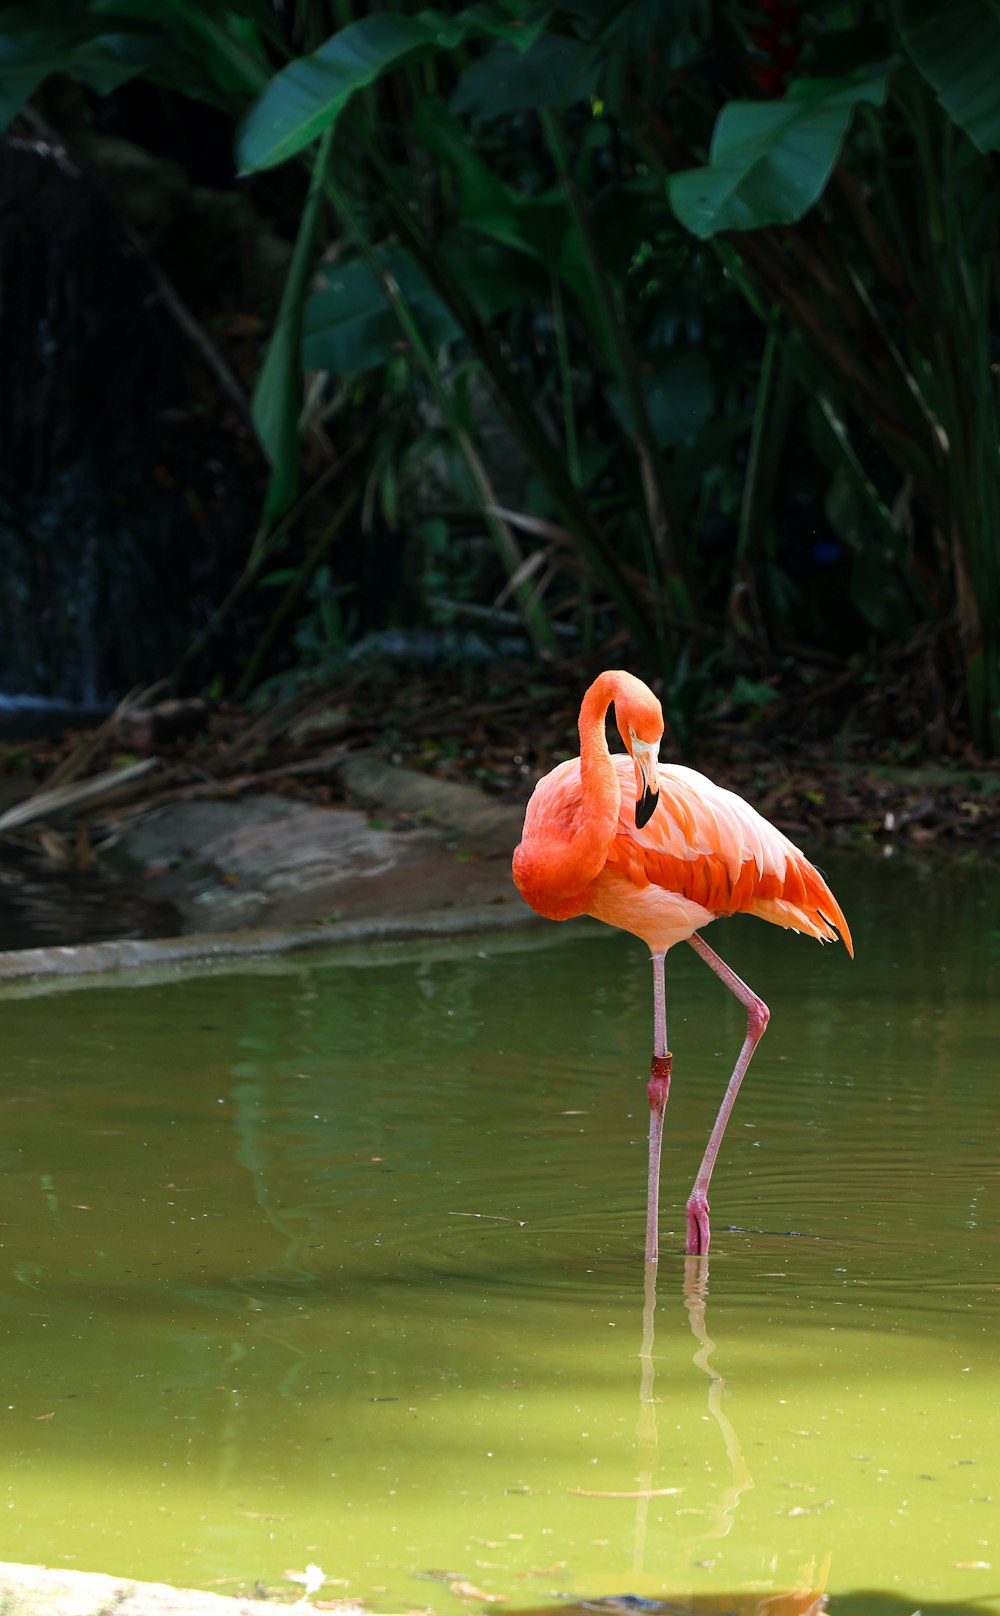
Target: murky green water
[341,1261]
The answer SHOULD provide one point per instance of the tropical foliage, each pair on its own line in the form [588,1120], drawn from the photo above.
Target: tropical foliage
[689,305]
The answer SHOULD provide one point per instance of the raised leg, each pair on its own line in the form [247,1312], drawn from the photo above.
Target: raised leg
[658,1090]
[758,1016]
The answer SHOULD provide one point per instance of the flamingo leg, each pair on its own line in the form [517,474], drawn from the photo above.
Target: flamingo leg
[758,1015]
[658,1089]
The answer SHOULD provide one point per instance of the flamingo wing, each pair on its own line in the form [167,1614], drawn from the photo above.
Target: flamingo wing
[711,847]
[550,874]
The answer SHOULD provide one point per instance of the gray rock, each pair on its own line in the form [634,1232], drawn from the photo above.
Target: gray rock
[242,862]
[27,1590]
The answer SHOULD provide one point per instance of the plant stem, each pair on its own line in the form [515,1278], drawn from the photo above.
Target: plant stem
[293,594]
[535,617]
[620,356]
[573,510]
[566,383]
[278,393]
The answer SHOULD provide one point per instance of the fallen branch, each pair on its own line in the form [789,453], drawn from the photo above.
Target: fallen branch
[75,762]
[67,799]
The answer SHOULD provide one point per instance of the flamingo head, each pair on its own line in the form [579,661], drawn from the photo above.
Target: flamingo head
[640,724]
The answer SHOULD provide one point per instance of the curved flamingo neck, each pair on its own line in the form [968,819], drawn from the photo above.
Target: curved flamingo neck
[567,838]
[598,778]
[596,767]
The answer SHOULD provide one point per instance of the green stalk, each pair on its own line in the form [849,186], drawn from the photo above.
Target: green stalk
[293,594]
[212,39]
[277,398]
[534,614]
[840,437]
[586,606]
[757,489]
[573,509]
[264,545]
[987,451]
[768,437]
[620,357]
[566,384]
[873,501]
[953,330]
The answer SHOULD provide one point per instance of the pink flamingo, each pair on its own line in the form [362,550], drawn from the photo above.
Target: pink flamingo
[660,851]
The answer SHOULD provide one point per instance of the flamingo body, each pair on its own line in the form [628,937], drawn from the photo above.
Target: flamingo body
[704,854]
[661,852]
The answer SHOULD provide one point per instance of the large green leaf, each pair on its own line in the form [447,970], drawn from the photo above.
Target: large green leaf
[277,398]
[309,94]
[28,58]
[957,49]
[19,81]
[33,45]
[349,325]
[539,227]
[111,60]
[531,225]
[104,43]
[555,72]
[204,48]
[770,160]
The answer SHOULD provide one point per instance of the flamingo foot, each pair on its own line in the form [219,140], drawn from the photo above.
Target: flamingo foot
[698,1232]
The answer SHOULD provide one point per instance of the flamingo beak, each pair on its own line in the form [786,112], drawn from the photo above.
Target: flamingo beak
[644,756]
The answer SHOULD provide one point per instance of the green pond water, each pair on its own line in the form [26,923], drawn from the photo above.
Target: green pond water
[339,1259]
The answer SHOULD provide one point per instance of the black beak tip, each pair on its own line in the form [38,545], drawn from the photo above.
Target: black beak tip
[645,808]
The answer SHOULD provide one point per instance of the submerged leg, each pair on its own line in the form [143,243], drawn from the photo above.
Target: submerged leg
[758,1015]
[658,1089]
